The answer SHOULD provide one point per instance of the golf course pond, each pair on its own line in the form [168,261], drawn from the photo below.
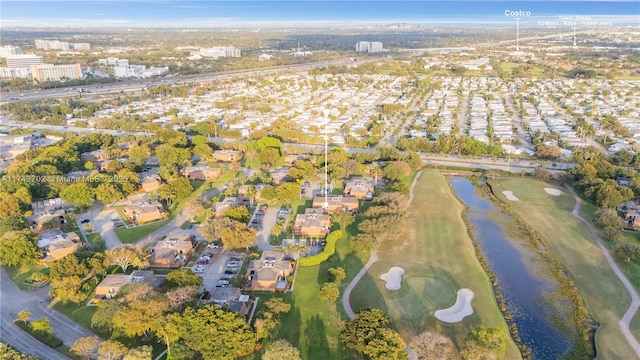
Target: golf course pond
[531,297]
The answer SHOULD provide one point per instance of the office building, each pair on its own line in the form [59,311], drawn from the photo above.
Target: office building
[9,50]
[50,72]
[369,46]
[23,60]
[113,62]
[128,71]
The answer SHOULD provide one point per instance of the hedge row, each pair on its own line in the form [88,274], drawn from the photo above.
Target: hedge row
[329,250]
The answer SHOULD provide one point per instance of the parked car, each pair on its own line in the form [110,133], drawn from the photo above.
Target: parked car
[263,209]
[190,227]
[213,246]
[84,221]
[199,268]
[230,272]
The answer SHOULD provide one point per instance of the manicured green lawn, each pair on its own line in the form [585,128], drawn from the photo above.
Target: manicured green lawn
[20,273]
[439,259]
[573,245]
[313,326]
[96,241]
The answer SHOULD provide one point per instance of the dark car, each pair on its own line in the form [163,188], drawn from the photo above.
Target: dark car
[190,227]
[84,221]
[229,272]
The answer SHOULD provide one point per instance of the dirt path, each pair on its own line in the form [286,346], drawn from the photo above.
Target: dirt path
[372,259]
[635,299]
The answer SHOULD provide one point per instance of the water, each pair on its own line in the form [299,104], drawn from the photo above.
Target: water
[523,290]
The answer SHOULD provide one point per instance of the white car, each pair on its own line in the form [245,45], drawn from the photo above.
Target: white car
[213,246]
[199,268]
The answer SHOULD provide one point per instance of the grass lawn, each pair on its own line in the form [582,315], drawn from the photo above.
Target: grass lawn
[573,245]
[510,66]
[20,273]
[96,241]
[439,259]
[312,326]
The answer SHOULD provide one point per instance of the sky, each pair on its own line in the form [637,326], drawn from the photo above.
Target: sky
[309,13]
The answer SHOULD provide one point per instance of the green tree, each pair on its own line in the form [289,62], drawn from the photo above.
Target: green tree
[269,157]
[9,206]
[139,154]
[288,192]
[18,247]
[41,327]
[78,194]
[627,252]
[215,333]
[181,187]
[337,275]
[24,316]
[277,306]
[610,222]
[142,316]
[329,292]
[111,350]
[168,155]
[125,256]
[86,347]
[140,353]
[281,350]
[370,334]
[238,213]
[396,170]
[108,193]
[485,343]
[183,277]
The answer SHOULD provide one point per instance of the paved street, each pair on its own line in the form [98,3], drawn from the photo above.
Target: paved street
[13,300]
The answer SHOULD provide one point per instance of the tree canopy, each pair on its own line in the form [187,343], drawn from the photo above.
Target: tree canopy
[370,333]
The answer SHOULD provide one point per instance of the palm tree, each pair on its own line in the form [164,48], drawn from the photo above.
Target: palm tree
[251,192]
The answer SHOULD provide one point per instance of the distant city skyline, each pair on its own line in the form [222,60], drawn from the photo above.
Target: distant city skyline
[307,13]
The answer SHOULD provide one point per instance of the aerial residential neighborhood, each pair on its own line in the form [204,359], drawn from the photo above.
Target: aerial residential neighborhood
[319,180]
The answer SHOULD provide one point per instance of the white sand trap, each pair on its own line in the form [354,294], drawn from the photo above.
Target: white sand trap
[553,192]
[510,196]
[393,277]
[458,311]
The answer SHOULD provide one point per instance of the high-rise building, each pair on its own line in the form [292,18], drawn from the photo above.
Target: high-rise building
[23,60]
[369,46]
[9,50]
[50,72]
[362,46]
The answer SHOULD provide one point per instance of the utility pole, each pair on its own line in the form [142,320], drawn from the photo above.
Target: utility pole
[517,34]
[325,206]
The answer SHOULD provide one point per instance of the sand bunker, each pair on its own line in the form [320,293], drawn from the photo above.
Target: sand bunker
[510,196]
[393,277]
[458,311]
[553,192]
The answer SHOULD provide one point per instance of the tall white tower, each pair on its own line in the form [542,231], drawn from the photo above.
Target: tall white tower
[325,206]
[517,34]
[574,37]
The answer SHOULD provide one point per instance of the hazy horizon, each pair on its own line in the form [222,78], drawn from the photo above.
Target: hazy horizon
[307,13]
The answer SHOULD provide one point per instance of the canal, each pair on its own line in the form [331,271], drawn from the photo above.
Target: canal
[531,296]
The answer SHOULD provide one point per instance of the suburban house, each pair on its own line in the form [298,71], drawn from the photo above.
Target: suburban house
[48,214]
[145,211]
[55,244]
[337,203]
[95,156]
[111,284]
[150,182]
[227,155]
[201,172]
[269,273]
[230,297]
[361,188]
[313,223]
[171,252]
[290,160]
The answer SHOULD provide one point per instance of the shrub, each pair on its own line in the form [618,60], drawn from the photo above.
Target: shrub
[328,251]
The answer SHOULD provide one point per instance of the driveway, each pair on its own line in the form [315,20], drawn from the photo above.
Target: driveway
[269,219]
[13,300]
[100,219]
[215,269]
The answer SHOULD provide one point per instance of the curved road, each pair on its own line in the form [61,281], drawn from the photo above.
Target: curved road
[13,300]
[635,299]
[372,259]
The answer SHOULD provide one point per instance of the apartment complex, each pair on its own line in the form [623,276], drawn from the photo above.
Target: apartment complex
[369,46]
[60,45]
[9,50]
[51,72]
[13,73]
[113,62]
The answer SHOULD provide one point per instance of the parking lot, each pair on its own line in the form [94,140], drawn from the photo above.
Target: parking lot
[104,224]
[217,268]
